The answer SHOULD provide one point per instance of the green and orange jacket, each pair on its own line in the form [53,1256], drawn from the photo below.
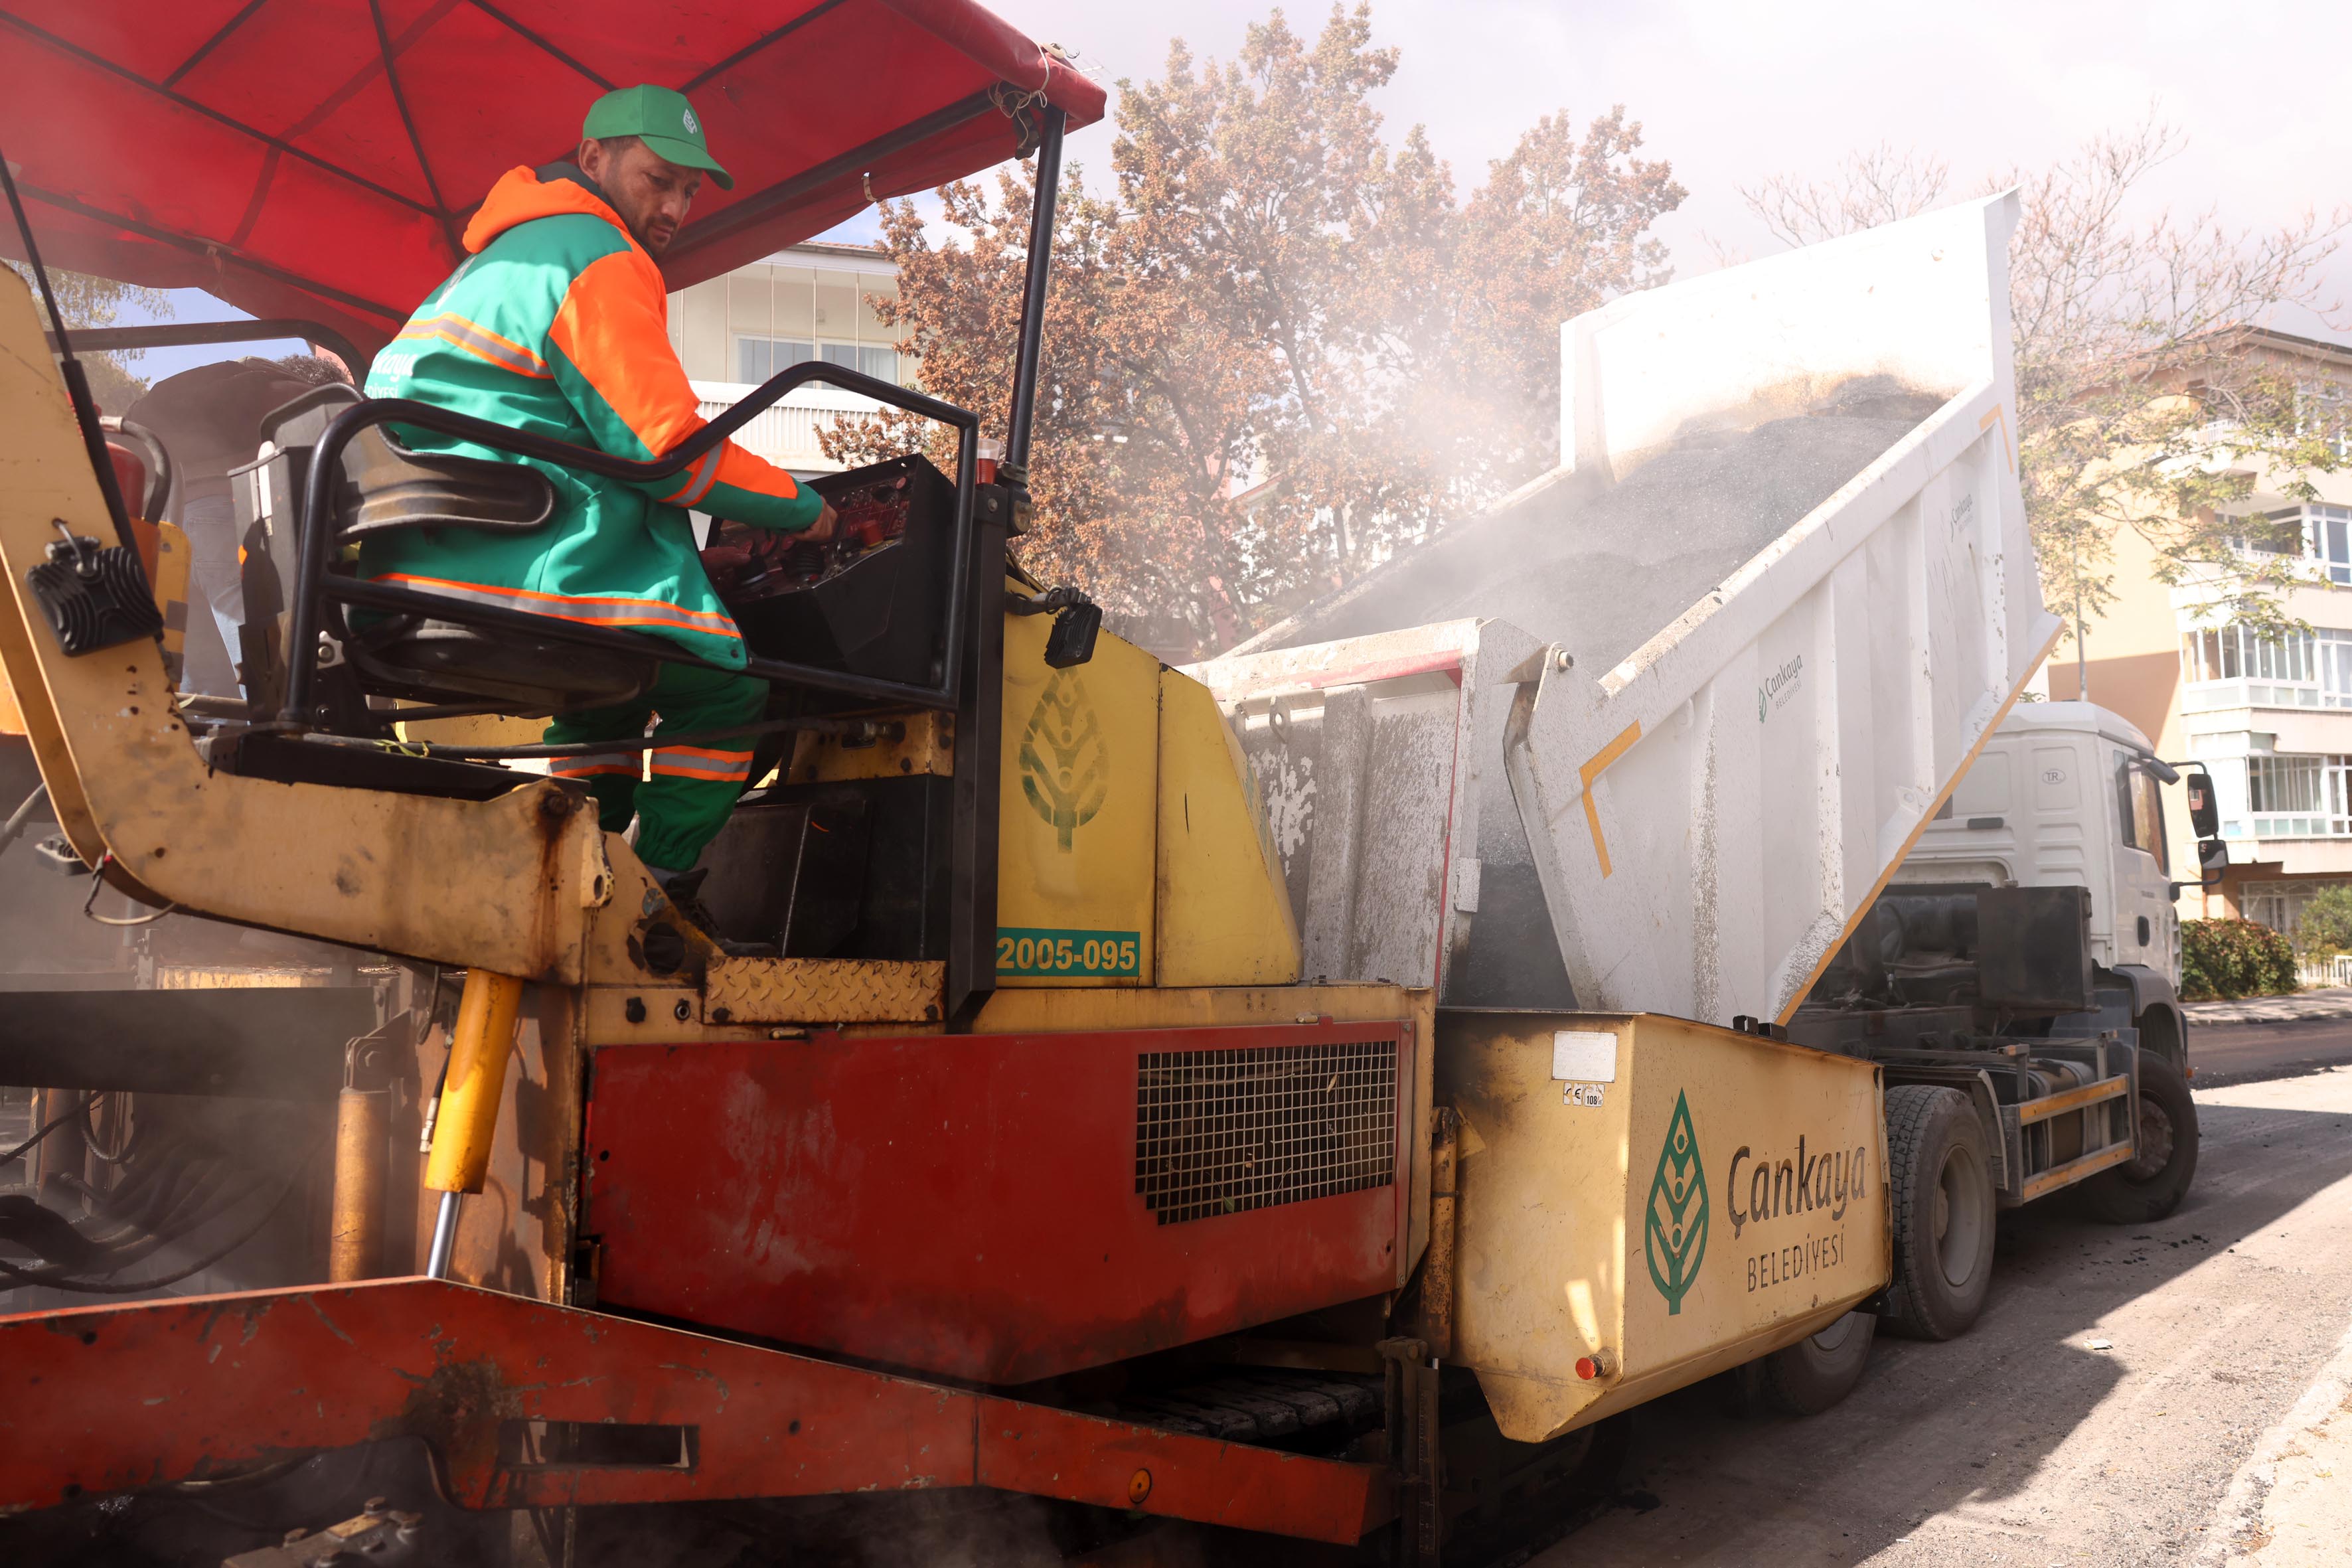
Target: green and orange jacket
[558,324]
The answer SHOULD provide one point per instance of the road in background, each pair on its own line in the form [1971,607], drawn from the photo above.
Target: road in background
[2268,1037]
[2022,1444]
[2245,1053]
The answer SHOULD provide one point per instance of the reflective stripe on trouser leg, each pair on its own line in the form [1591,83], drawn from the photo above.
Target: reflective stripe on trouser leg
[610,776]
[691,787]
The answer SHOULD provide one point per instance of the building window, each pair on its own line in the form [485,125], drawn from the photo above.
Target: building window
[2280,905]
[757,358]
[2330,534]
[2296,797]
[2293,669]
[2319,534]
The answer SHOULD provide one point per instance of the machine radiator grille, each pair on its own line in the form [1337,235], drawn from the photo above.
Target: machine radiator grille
[1220,1131]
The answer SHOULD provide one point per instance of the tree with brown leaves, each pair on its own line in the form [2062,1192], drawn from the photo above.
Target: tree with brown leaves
[1279,349]
[2140,408]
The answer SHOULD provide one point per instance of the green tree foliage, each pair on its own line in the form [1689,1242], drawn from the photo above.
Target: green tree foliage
[114,378]
[2143,405]
[2227,958]
[1279,349]
[2324,928]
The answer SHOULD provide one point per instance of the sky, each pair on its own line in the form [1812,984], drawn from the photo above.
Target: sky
[1733,91]
[1730,92]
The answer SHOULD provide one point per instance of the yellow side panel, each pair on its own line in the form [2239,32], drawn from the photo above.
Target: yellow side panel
[474,730]
[1073,853]
[1669,1198]
[171,588]
[1224,915]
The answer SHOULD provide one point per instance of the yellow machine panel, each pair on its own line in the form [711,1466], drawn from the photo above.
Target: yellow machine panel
[1080,787]
[1224,913]
[1661,1198]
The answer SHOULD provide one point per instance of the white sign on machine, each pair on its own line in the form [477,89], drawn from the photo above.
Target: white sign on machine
[1583,1059]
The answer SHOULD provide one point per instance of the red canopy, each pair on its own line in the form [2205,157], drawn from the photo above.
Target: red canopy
[318,158]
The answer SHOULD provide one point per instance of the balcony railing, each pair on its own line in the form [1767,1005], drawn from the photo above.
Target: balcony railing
[786,432]
[2209,696]
[2287,824]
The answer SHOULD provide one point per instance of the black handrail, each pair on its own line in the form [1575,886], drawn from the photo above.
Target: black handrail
[316,542]
[186,334]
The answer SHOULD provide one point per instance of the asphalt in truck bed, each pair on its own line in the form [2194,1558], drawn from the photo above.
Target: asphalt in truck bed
[2021,1444]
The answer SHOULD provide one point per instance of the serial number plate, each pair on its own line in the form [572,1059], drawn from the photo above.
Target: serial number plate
[1104,955]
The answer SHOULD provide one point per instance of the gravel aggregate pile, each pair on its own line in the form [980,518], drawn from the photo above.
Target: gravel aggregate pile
[1602,576]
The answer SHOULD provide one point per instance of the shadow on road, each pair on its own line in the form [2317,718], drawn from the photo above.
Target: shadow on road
[1974,1419]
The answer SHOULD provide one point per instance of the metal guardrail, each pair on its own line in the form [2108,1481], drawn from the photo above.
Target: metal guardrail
[2335,970]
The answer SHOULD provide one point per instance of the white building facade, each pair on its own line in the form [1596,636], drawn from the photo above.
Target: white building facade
[809,302]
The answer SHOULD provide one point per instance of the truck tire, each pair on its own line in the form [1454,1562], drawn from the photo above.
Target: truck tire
[1941,1183]
[2152,1186]
[1814,1373]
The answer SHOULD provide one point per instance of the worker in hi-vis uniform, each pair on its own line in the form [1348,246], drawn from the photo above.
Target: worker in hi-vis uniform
[557,324]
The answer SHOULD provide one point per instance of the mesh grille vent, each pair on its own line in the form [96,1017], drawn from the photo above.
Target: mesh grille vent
[1220,1132]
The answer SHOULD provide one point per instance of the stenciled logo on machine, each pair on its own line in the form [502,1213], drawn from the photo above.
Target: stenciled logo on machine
[1064,765]
[1673,1224]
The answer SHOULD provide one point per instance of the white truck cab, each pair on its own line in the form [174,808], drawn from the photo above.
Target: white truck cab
[2071,794]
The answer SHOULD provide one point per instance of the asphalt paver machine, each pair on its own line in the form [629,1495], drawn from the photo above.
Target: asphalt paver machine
[1031,1192]
[975,1185]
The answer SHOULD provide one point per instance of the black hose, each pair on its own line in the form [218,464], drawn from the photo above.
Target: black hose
[13,828]
[588,747]
[59,1281]
[46,1129]
[121,1151]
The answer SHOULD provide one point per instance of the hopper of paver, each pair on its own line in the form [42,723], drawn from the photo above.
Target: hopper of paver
[1650,735]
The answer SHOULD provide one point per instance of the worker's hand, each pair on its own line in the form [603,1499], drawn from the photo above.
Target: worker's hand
[823,528]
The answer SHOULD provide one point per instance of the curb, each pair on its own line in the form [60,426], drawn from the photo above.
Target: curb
[2333,1002]
[2240,1516]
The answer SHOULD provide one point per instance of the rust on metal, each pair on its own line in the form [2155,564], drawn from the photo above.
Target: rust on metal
[822,991]
[101,1400]
[1437,1265]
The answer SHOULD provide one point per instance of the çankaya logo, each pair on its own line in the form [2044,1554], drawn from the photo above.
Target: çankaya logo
[1674,1228]
[1780,686]
[1806,1182]
[1070,787]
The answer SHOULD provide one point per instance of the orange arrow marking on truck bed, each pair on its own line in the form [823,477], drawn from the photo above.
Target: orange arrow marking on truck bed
[1591,771]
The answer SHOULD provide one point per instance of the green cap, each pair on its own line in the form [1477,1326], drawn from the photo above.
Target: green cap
[662,120]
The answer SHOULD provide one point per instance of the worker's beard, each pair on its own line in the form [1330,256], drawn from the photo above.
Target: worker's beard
[654,238]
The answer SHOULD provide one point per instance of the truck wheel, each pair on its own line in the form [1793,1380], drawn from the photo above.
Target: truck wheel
[2152,1186]
[1813,1375]
[1942,1186]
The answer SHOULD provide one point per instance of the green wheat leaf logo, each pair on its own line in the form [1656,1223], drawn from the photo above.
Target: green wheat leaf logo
[1673,1232]
[1065,766]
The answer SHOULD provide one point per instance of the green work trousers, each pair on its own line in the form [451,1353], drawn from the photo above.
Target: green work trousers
[680,794]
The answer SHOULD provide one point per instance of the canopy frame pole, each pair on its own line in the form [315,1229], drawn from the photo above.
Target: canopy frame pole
[1033,300]
[973,821]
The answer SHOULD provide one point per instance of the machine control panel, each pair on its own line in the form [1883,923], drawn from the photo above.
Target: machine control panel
[871,600]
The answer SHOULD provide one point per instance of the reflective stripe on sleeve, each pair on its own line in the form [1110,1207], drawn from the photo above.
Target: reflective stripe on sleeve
[479,341]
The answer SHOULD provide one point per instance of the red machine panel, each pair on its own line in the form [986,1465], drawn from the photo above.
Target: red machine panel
[529,1404]
[1000,1208]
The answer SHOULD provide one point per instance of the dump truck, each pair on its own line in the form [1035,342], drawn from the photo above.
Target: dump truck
[1143,1112]
[1709,684]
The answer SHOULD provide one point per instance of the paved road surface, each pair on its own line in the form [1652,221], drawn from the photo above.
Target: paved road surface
[2236,1053]
[2018,1444]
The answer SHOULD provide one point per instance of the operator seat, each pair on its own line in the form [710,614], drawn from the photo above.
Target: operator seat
[389,486]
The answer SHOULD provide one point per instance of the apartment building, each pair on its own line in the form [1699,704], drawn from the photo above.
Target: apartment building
[814,300]
[2269,718]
